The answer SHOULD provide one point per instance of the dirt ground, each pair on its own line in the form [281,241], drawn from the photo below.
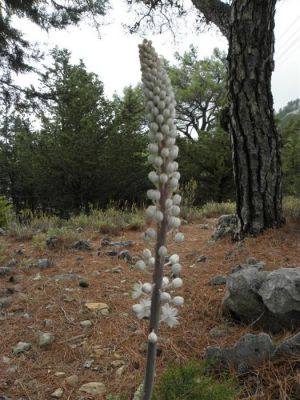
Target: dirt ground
[112,350]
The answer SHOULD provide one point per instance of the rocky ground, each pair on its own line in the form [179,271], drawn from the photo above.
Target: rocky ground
[67,330]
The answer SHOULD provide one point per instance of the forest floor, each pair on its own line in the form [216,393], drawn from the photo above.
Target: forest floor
[112,349]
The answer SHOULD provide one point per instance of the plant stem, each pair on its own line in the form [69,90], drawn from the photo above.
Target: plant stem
[155,300]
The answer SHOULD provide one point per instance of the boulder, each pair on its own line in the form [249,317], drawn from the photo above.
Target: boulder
[226,225]
[267,299]
[248,351]
[82,245]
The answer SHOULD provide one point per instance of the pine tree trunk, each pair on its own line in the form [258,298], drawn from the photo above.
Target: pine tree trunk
[254,137]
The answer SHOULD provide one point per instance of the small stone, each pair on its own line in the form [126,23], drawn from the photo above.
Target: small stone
[88,363]
[60,374]
[45,339]
[6,360]
[4,302]
[43,263]
[20,252]
[117,270]
[83,283]
[11,370]
[5,270]
[86,324]
[216,333]
[201,259]
[47,322]
[105,241]
[72,380]
[58,393]
[52,242]
[120,371]
[98,308]
[82,245]
[111,253]
[218,280]
[94,388]
[21,347]
[124,255]
[203,226]
[124,243]
[37,277]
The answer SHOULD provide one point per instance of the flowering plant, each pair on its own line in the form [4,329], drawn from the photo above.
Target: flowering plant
[164,210]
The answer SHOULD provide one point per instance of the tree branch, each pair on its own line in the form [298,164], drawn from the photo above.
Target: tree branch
[217,12]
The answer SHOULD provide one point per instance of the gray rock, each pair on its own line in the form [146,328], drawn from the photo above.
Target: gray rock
[105,241]
[226,225]
[52,242]
[45,339]
[4,302]
[12,263]
[124,255]
[21,347]
[111,253]
[218,280]
[86,323]
[65,277]
[217,332]
[47,322]
[241,297]
[124,243]
[5,271]
[260,265]
[82,245]
[72,380]
[201,259]
[249,350]
[93,388]
[280,290]
[58,393]
[290,346]
[43,263]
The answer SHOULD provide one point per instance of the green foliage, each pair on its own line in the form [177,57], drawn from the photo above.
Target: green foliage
[5,212]
[291,207]
[189,382]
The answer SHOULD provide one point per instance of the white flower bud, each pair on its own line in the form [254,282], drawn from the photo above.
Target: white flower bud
[174,222]
[159,136]
[165,281]
[154,127]
[158,216]
[147,288]
[176,268]
[168,203]
[147,253]
[174,183]
[158,161]
[161,105]
[170,168]
[177,283]
[165,296]
[162,94]
[140,265]
[164,152]
[159,118]
[151,158]
[179,237]
[170,142]
[162,251]
[174,259]
[153,148]
[150,232]
[166,113]
[150,211]
[163,178]
[152,337]
[155,111]
[175,210]
[153,177]
[153,195]
[177,199]
[174,152]
[151,262]
[178,301]
[165,129]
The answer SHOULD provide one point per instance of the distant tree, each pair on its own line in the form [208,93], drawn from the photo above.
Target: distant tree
[200,87]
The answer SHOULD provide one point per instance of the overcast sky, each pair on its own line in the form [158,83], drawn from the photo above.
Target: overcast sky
[114,56]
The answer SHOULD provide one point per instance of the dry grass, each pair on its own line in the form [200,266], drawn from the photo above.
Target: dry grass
[119,334]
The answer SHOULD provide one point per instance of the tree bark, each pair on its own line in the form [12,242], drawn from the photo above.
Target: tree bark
[254,137]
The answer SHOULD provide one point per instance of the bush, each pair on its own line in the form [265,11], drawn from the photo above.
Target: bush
[189,382]
[291,207]
[6,212]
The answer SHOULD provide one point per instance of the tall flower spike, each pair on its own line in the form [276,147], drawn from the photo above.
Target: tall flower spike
[164,210]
